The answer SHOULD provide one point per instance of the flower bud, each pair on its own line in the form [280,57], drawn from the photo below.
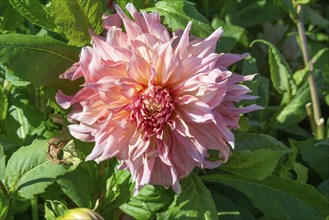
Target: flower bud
[80,214]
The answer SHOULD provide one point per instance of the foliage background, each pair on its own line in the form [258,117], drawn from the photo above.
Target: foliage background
[278,170]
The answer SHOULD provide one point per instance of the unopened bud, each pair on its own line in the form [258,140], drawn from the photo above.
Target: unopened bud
[80,214]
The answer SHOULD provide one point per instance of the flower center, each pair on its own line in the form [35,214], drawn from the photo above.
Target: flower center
[152,110]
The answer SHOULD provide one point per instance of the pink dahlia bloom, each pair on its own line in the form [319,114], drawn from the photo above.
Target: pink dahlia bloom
[156,102]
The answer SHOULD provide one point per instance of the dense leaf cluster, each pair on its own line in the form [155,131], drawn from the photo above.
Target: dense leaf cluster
[277,171]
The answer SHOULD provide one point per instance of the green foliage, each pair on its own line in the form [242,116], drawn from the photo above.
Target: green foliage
[256,164]
[3,104]
[294,111]
[54,209]
[239,12]
[24,119]
[276,171]
[28,177]
[260,88]
[253,141]
[10,19]
[281,75]
[149,201]
[228,209]
[288,6]
[232,35]
[4,203]
[118,192]
[316,154]
[83,195]
[201,206]
[320,59]
[315,18]
[139,4]
[35,12]
[176,15]
[2,162]
[259,85]
[19,54]
[76,17]
[301,201]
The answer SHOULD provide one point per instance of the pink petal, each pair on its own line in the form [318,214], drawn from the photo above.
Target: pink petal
[207,46]
[196,111]
[111,20]
[63,100]
[82,132]
[181,49]
[133,30]
[155,28]
[73,72]
[227,59]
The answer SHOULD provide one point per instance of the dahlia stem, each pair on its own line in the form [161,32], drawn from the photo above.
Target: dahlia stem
[5,201]
[34,207]
[206,7]
[309,113]
[317,119]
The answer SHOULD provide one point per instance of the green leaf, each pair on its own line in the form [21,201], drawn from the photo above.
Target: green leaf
[194,202]
[3,104]
[323,187]
[230,210]
[4,202]
[300,76]
[288,7]
[248,13]
[54,209]
[37,60]
[23,117]
[291,164]
[76,17]
[9,145]
[256,164]
[300,201]
[139,4]
[30,170]
[149,201]
[301,1]
[231,36]
[252,141]
[35,12]
[2,162]
[177,14]
[301,172]
[314,17]
[280,71]
[17,206]
[83,195]
[118,192]
[260,85]
[294,111]
[316,154]
[249,66]
[10,19]
[319,61]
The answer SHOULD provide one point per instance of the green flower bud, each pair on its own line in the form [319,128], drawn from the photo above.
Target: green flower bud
[80,214]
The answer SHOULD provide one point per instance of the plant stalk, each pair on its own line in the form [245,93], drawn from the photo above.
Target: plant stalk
[319,131]
[310,115]
[34,207]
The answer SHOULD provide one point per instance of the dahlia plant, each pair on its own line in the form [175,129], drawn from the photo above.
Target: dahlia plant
[156,102]
[162,109]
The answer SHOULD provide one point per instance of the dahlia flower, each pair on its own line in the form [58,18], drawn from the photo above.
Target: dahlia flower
[156,101]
